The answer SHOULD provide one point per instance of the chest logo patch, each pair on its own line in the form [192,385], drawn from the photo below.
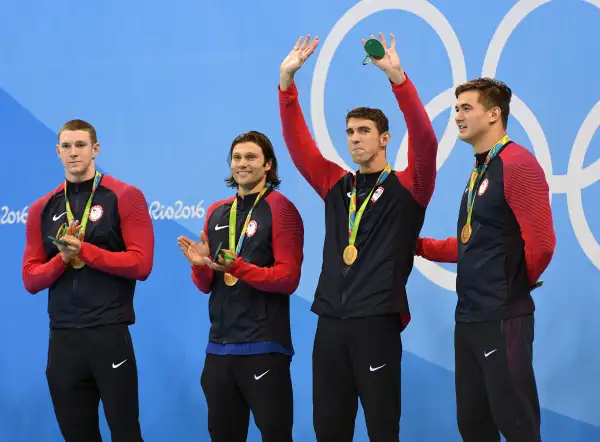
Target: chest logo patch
[377,194]
[483,187]
[96,213]
[252,229]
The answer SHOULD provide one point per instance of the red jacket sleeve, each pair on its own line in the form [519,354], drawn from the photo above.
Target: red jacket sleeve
[527,193]
[202,276]
[419,177]
[320,173]
[438,250]
[138,234]
[38,272]
[288,245]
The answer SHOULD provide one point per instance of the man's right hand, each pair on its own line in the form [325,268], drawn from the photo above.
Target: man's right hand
[295,59]
[194,251]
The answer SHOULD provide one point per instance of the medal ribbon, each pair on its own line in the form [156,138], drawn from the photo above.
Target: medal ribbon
[477,174]
[86,212]
[354,217]
[232,222]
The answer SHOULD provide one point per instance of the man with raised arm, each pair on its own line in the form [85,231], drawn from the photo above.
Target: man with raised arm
[373,220]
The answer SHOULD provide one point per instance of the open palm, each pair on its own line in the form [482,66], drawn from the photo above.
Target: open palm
[194,251]
[296,58]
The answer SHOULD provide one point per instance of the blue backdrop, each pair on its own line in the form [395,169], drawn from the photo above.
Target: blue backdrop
[168,87]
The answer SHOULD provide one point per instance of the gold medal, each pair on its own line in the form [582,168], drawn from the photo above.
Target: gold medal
[77,263]
[466,233]
[350,254]
[355,216]
[474,182]
[230,280]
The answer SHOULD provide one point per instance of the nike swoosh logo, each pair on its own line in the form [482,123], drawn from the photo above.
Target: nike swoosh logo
[119,364]
[218,227]
[376,368]
[57,217]
[258,377]
[489,353]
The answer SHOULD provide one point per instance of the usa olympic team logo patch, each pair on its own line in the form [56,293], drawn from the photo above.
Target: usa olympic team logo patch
[96,213]
[484,185]
[252,228]
[377,194]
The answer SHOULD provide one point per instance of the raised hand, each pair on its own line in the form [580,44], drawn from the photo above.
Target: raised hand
[194,251]
[390,63]
[295,59]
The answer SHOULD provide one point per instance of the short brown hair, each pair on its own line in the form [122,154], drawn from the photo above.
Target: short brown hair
[374,115]
[268,152]
[79,125]
[492,93]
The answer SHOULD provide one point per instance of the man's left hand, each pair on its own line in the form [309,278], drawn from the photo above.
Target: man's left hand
[74,244]
[390,63]
[222,264]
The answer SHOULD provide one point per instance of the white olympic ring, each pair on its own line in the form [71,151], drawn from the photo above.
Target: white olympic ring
[571,184]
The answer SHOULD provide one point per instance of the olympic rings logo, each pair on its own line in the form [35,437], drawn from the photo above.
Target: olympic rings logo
[571,184]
